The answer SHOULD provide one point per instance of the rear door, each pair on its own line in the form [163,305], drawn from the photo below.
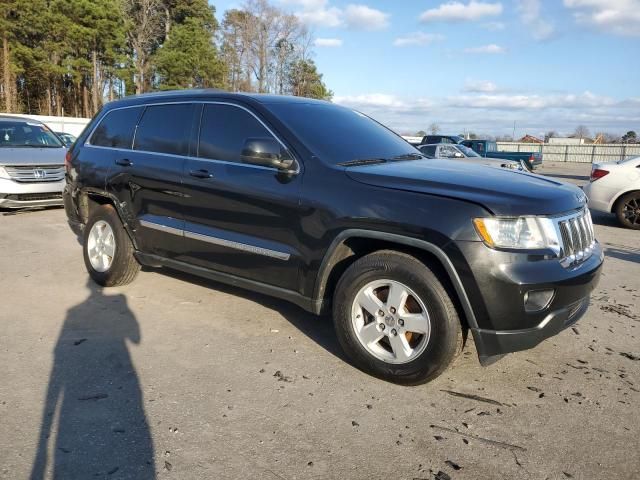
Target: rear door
[240,218]
[148,178]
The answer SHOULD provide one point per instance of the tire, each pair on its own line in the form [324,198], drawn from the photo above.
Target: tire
[123,266]
[431,352]
[628,210]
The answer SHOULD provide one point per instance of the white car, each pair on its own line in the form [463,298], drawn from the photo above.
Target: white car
[615,188]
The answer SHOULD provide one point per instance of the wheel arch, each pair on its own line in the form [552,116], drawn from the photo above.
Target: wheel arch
[352,244]
[619,195]
[89,199]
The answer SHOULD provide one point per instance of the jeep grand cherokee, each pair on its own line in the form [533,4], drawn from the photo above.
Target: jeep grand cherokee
[322,206]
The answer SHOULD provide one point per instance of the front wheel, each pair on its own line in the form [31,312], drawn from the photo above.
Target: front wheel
[395,320]
[628,210]
[108,251]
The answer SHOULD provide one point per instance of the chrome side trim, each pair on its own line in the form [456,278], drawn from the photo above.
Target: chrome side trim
[237,245]
[216,241]
[162,228]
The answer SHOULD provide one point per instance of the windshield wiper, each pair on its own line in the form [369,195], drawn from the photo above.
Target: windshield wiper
[409,156]
[362,161]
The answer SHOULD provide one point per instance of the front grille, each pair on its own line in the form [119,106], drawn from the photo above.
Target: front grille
[32,197]
[577,238]
[36,174]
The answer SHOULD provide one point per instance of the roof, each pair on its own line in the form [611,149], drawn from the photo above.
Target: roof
[530,139]
[205,93]
[7,118]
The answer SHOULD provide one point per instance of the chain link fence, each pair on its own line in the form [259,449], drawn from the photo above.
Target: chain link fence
[610,152]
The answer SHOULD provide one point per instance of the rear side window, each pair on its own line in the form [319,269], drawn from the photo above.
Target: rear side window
[165,129]
[116,128]
[224,130]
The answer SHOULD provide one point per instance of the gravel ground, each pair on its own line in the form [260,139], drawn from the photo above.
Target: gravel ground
[178,377]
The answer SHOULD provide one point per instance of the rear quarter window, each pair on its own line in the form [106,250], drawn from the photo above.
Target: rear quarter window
[116,128]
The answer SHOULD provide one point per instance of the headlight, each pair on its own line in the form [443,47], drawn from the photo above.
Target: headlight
[527,233]
[3,173]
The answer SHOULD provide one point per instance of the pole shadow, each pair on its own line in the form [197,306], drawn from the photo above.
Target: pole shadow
[93,423]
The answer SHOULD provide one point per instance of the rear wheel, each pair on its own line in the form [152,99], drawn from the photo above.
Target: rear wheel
[108,251]
[628,210]
[395,319]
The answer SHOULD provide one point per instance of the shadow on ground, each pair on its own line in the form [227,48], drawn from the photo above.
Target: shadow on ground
[621,252]
[319,329]
[93,423]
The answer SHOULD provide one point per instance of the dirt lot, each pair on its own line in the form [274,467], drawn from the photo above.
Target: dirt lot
[176,377]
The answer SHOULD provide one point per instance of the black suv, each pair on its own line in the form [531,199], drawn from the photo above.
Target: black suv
[323,206]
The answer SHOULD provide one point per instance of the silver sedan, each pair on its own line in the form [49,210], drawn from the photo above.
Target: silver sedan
[465,154]
[31,164]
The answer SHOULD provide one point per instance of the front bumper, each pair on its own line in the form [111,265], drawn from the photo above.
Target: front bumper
[497,282]
[20,195]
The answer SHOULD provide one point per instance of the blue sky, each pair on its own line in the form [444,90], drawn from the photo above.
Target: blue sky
[480,65]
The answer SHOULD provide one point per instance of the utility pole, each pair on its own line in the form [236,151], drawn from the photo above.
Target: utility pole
[513,135]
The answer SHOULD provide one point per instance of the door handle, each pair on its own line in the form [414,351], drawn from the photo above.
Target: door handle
[201,173]
[124,162]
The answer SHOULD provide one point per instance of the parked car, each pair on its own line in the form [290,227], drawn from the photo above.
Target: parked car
[66,138]
[31,164]
[464,154]
[488,148]
[615,188]
[430,139]
[322,206]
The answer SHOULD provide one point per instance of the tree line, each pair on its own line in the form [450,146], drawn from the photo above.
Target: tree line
[70,56]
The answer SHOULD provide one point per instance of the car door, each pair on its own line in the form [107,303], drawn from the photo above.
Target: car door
[240,218]
[147,179]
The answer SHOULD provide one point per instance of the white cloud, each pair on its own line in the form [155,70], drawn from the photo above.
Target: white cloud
[494,113]
[318,12]
[418,39]
[480,86]
[361,17]
[621,17]
[460,12]
[355,16]
[531,102]
[490,49]
[531,17]
[328,42]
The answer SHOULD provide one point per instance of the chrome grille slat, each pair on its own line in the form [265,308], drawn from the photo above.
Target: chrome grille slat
[35,173]
[577,238]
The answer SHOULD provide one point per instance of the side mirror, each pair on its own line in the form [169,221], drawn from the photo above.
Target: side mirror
[266,152]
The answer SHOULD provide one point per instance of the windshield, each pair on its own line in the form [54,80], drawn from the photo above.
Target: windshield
[27,134]
[339,135]
[467,151]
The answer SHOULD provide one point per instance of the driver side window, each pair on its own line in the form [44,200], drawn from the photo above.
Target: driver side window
[447,152]
[224,130]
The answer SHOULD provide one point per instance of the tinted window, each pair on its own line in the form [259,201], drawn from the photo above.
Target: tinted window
[223,132]
[337,134]
[165,129]
[116,128]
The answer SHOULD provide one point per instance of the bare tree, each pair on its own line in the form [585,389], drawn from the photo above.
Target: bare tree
[550,134]
[260,43]
[145,31]
[434,128]
[581,131]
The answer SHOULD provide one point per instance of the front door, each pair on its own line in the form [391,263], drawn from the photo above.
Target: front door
[240,218]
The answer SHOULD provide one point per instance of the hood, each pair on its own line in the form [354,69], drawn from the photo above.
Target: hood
[502,191]
[32,156]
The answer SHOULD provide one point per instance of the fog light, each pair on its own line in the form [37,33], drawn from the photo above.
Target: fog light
[537,300]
